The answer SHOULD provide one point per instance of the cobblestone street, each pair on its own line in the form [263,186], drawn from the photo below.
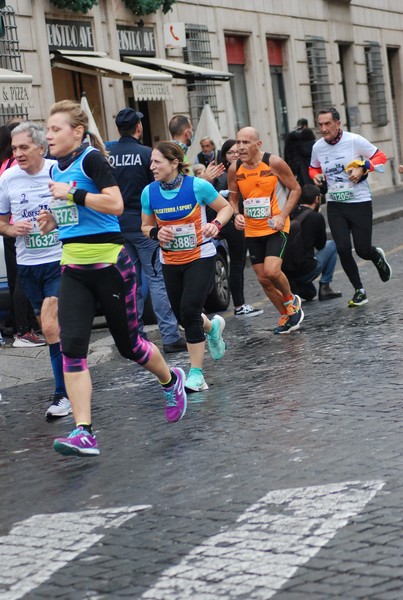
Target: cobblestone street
[283,480]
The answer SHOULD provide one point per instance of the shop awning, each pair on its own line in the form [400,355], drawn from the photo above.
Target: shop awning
[15,88]
[147,84]
[179,69]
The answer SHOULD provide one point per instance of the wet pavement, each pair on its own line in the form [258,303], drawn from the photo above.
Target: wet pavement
[283,480]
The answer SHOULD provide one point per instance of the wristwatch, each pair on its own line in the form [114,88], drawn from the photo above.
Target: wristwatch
[217,223]
[70,194]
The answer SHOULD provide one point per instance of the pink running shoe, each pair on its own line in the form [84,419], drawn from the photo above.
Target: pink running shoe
[79,443]
[175,397]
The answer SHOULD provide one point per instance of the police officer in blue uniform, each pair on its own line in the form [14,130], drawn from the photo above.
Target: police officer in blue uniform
[131,162]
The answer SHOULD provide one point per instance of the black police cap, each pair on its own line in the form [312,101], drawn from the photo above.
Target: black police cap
[128,118]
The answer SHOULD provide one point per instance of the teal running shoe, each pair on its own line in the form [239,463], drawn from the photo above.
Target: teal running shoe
[195,381]
[216,344]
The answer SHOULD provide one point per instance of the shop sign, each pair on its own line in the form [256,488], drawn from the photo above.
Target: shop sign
[136,41]
[15,94]
[69,35]
[152,90]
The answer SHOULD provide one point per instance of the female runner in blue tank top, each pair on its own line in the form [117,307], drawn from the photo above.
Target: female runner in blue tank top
[95,268]
[174,213]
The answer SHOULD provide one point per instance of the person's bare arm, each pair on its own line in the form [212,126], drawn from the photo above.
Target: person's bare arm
[224,213]
[21,227]
[109,201]
[280,168]
[213,171]
[46,222]
[233,197]
[164,234]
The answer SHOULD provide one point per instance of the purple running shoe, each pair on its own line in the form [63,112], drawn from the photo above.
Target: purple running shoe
[79,443]
[175,397]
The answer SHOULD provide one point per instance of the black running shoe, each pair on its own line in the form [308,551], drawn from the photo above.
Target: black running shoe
[383,267]
[359,298]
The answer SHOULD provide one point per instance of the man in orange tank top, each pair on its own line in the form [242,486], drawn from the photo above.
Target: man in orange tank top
[270,193]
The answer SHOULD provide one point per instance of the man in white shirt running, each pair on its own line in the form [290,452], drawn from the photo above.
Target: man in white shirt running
[344,160]
[24,192]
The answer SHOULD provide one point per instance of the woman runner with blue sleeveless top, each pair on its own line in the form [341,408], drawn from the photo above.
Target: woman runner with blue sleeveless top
[95,268]
[174,213]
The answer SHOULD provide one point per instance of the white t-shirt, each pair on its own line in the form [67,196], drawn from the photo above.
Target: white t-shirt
[24,196]
[333,160]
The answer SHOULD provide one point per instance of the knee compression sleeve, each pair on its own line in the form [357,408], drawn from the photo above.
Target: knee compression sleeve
[74,365]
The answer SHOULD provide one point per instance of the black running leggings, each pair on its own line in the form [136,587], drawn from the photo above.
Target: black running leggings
[352,219]
[187,287]
[114,287]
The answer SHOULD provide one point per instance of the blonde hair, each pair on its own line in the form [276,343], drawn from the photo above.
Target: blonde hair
[78,117]
[199,169]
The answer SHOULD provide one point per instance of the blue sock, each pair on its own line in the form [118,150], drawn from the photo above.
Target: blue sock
[56,358]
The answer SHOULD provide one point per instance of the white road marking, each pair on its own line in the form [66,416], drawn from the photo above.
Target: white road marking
[38,547]
[275,536]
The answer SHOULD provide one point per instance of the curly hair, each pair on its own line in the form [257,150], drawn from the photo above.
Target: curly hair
[35,131]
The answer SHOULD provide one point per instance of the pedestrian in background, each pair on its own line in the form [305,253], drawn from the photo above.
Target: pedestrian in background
[235,239]
[174,213]
[199,170]
[208,154]
[181,130]
[316,256]
[131,168]
[344,159]
[96,268]
[298,150]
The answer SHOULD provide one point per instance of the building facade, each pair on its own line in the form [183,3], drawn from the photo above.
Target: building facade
[263,63]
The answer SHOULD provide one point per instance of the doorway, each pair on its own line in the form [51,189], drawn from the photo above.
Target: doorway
[397,99]
[280,106]
[71,85]
[275,55]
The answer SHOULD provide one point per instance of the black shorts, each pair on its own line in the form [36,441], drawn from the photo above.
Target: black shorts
[266,245]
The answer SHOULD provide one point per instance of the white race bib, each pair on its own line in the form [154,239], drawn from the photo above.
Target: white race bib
[257,208]
[64,212]
[37,241]
[185,238]
[341,192]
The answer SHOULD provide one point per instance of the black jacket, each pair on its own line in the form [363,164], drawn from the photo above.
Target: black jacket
[131,167]
[314,237]
[297,153]
[202,160]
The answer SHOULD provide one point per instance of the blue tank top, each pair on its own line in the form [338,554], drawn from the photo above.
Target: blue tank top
[183,211]
[176,208]
[90,222]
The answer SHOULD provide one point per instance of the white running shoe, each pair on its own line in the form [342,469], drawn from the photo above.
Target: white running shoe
[28,340]
[60,407]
